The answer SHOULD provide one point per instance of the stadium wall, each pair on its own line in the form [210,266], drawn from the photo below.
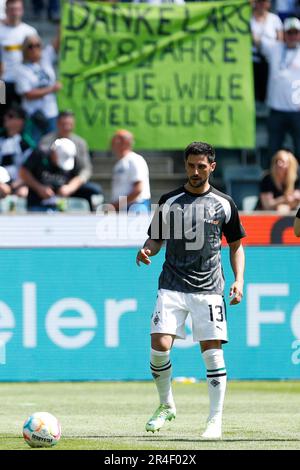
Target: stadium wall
[83,313]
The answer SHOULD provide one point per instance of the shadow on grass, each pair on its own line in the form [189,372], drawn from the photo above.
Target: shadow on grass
[221,440]
[175,439]
[159,438]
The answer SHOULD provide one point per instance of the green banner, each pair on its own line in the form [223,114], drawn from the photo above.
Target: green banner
[171,74]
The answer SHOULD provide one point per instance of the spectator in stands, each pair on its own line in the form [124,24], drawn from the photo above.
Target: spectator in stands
[15,147]
[12,35]
[65,128]
[283,99]
[267,25]
[53,174]
[130,176]
[36,82]
[280,188]
[297,224]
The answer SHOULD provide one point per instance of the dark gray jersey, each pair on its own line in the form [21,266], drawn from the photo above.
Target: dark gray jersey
[192,226]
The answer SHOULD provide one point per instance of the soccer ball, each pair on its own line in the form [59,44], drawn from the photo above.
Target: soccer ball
[41,429]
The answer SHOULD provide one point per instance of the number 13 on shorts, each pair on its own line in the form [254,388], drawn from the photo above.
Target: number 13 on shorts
[217,312]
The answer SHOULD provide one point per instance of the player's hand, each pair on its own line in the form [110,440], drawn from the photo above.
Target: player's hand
[143,256]
[236,293]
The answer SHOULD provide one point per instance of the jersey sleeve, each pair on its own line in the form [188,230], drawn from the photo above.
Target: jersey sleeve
[233,229]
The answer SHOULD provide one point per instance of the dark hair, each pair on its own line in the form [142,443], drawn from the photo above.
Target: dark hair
[65,113]
[17,111]
[13,1]
[200,148]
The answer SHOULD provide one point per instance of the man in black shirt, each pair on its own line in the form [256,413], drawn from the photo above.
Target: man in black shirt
[53,174]
[191,220]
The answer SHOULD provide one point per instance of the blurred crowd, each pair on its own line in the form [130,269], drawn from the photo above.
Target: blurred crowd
[43,161]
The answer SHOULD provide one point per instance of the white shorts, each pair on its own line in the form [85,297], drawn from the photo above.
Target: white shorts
[207,311]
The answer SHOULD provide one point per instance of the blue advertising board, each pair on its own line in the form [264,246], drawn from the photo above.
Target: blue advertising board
[84,314]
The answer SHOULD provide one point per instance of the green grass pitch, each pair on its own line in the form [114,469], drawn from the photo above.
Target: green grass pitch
[112,415]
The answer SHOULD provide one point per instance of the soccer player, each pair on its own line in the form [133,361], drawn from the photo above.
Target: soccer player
[297,224]
[191,220]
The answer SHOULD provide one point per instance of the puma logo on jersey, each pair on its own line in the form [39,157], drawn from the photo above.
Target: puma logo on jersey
[213,222]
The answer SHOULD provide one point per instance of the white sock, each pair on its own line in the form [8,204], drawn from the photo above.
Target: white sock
[216,380]
[161,369]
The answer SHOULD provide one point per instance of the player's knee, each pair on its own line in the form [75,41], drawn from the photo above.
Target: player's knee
[211,344]
[161,342]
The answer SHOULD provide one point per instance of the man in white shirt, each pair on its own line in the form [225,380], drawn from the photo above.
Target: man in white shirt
[284,77]
[130,180]
[264,24]
[12,35]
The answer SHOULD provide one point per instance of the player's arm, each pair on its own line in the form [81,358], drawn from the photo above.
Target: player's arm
[156,234]
[150,248]
[237,260]
[297,224]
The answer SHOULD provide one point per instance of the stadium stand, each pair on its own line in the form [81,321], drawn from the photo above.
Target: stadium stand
[243,182]
[166,169]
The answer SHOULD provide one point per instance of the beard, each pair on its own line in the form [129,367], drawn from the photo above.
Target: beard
[197,182]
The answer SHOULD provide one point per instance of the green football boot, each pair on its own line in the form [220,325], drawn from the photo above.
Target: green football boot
[162,414]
